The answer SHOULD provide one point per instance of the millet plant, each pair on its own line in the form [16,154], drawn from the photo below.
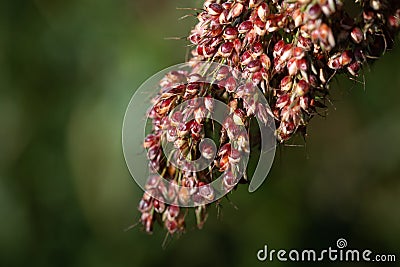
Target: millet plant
[290,50]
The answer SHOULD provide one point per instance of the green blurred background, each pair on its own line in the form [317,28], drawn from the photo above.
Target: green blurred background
[67,72]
